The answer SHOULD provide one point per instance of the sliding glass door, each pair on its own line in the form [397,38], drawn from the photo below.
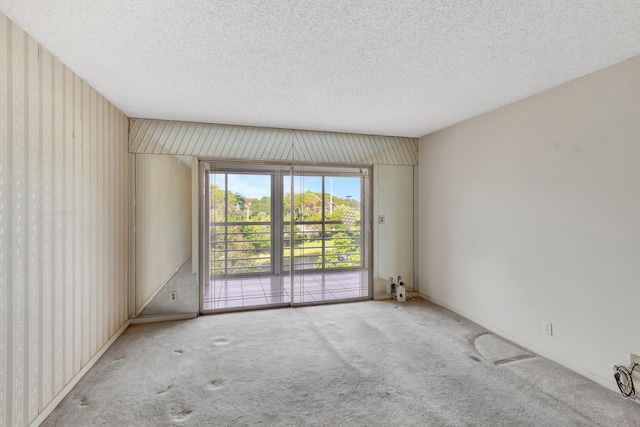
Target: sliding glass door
[328,246]
[283,235]
[327,226]
[241,223]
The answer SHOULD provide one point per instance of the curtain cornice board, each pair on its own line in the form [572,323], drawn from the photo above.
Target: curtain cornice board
[148,136]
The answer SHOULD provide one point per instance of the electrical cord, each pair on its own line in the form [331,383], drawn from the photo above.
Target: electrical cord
[624,379]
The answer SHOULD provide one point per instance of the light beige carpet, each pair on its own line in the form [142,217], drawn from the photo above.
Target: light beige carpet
[498,351]
[361,364]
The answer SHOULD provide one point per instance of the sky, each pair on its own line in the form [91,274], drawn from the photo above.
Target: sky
[258,186]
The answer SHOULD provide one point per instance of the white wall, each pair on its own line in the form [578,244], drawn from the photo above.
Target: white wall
[163,222]
[531,213]
[64,227]
[393,197]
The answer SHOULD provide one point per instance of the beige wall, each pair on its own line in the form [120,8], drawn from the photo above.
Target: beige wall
[393,248]
[531,213]
[163,222]
[63,226]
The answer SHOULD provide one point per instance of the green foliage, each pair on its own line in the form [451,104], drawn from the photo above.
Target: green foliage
[342,250]
[247,248]
[261,209]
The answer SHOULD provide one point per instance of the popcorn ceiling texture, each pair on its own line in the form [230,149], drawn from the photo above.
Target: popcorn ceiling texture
[401,68]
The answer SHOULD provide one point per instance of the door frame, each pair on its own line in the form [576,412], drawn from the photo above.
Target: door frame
[205,166]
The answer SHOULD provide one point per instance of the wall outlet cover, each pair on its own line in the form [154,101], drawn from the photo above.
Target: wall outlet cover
[173,296]
[548,328]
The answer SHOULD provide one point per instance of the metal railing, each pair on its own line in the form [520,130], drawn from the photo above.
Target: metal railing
[323,246]
[235,251]
[316,246]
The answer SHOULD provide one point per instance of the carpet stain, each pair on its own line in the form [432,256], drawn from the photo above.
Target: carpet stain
[215,384]
[178,351]
[84,401]
[166,390]
[334,326]
[181,414]
[357,361]
[221,341]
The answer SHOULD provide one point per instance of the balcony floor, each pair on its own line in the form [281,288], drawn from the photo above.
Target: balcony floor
[255,291]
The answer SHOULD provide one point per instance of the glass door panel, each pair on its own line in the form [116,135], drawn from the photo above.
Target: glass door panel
[241,263]
[343,222]
[326,245]
[308,242]
[241,226]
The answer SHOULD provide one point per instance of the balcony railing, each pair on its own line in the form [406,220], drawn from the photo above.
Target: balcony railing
[246,247]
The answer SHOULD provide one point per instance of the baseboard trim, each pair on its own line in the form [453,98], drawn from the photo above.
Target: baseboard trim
[153,319]
[71,384]
[410,294]
[608,383]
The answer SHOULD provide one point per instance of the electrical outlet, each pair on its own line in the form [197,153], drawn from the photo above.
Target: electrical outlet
[173,295]
[548,328]
[381,219]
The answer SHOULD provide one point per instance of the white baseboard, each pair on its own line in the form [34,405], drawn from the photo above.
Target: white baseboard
[71,384]
[606,382]
[163,318]
[410,294]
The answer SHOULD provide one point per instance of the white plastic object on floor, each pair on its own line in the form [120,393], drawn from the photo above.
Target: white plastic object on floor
[401,293]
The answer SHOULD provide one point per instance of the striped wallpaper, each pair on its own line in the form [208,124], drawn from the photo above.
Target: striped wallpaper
[163,223]
[64,218]
[65,212]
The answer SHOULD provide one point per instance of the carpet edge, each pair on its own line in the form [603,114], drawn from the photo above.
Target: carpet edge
[76,379]
[605,382]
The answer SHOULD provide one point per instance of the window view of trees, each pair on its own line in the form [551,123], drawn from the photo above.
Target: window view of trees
[327,230]
[240,229]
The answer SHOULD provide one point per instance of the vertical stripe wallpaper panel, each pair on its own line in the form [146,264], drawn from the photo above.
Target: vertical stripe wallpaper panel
[163,222]
[64,225]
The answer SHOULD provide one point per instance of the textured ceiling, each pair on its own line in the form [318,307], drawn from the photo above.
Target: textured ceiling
[397,67]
